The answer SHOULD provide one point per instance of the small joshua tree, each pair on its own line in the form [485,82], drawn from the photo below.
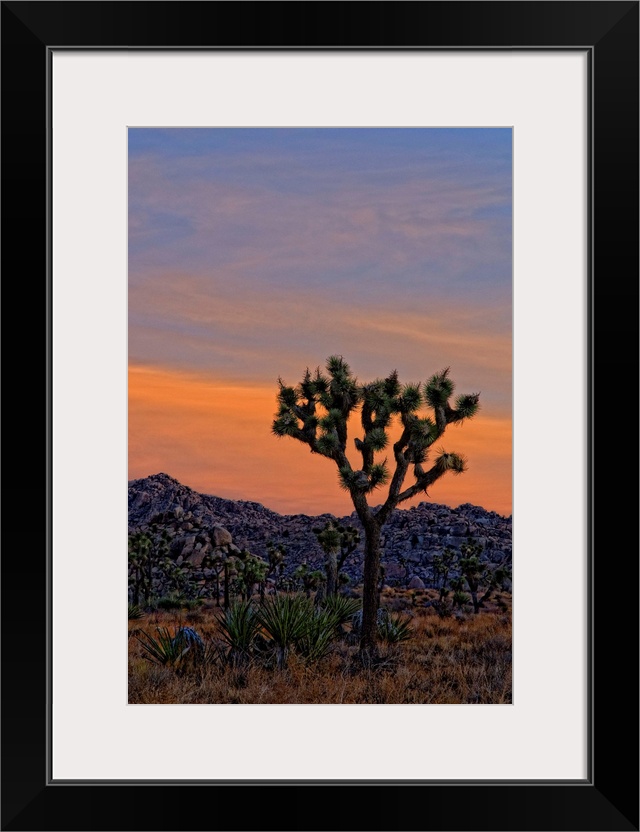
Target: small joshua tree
[276,554]
[140,555]
[335,539]
[466,572]
[251,570]
[309,580]
[149,561]
[316,413]
[329,540]
[479,575]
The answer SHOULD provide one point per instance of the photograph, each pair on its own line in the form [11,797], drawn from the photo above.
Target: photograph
[335,302]
[319,415]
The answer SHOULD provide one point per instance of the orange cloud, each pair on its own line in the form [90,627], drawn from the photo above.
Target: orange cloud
[216,438]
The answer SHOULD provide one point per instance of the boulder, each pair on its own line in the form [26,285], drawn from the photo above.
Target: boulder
[220,536]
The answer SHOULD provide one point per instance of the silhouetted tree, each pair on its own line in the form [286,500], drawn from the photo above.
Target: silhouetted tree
[316,412]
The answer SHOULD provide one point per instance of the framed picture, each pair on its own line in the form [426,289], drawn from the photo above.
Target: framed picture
[563,79]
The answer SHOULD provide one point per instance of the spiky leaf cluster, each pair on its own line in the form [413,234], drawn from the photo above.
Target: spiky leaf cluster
[336,393]
[317,411]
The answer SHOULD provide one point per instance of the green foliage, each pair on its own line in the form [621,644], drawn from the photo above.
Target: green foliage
[466,406]
[438,389]
[317,413]
[378,475]
[135,613]
[410,399]
[239,626]
[249,571]
[319,633]
[341,608]
[460,599]
[285,620]
[471,579]
[165,649]
[307,579]
[173,601]
[393,628]
[328,537]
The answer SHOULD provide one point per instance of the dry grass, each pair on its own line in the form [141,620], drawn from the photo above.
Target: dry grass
[448,661]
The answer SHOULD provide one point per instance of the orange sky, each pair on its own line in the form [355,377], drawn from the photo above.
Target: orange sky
[216,438]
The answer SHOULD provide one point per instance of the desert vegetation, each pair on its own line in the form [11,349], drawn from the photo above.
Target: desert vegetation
[289,650]
[317,413]
[211,622]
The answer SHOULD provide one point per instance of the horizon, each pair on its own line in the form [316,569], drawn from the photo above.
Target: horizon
[401,507]
[255,253]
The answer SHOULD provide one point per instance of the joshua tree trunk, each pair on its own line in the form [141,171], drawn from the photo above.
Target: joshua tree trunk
[316,412]
[331,564]
[474,599]
[147,587]
[136,587]
[368,637]
[226,586]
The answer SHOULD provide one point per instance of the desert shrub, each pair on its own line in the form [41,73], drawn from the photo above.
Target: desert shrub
[285,620]
[164,648]
[391,628]
[183,651]
[173,601]
[319,634]
[394,628]
[340,607]
[135,612]
[238,627]
[460,600]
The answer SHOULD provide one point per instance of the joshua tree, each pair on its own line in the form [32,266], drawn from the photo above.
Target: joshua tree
[149,561]
[334,538]
[251,570]
[276,554]
[310,581]
[329,540]
[316,413]
[479,575]
[140,558]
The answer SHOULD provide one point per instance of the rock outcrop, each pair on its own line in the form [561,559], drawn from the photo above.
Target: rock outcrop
[199,523]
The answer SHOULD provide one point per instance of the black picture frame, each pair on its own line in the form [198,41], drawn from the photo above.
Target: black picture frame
[608,798]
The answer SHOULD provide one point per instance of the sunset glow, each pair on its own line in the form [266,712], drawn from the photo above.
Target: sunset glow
[254,254]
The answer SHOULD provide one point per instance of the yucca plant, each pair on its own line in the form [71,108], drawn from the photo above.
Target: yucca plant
[394,628]
[341,608]
[319,634]
[238,627]
[172,650]
[285,620]
[460,599]
[135,612]
[163,649]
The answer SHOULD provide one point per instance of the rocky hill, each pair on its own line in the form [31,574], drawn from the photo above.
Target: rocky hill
[410,539]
